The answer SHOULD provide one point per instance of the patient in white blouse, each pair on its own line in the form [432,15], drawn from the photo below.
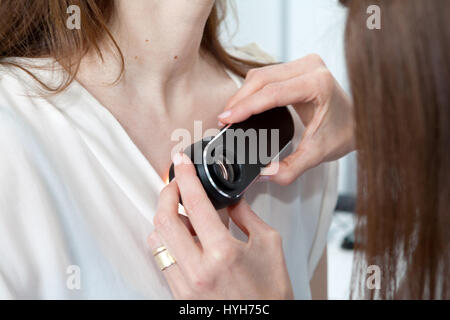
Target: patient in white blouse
[86,123]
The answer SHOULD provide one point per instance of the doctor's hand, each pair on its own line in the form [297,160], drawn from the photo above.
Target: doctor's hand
[324,108]
[217,265]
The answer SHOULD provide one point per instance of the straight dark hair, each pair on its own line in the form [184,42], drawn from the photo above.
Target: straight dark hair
[400,78]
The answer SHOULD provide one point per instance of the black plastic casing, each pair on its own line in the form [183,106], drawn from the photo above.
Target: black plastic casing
[222,193]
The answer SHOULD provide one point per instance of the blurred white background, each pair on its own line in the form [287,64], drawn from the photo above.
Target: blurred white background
[288,30]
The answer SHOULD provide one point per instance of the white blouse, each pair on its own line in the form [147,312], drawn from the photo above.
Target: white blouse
[77,200]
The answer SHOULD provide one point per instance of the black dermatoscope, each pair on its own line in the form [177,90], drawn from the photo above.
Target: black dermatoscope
[230,162]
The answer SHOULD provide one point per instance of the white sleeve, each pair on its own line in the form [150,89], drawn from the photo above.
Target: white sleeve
[27,225]
[329,199]
[5,293]
[10,217]
[16,211]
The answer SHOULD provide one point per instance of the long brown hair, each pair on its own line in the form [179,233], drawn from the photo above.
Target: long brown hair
[35,29]
[400,77]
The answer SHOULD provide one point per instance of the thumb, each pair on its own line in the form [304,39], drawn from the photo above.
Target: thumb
[292,167]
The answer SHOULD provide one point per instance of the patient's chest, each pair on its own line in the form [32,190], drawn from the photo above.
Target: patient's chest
[157,127]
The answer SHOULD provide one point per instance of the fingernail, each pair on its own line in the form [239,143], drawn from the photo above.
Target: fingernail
[220,124]
[265,172]
[225,114]
[271,169]
[177,159]
[264,178]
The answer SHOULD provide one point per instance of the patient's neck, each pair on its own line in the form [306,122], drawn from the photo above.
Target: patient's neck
[161,45]
[169,32]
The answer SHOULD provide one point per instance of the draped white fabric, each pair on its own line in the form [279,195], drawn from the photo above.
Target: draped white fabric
[76,191]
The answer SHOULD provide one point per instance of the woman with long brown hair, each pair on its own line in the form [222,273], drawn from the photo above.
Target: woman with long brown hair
[93,94]
[398,121]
